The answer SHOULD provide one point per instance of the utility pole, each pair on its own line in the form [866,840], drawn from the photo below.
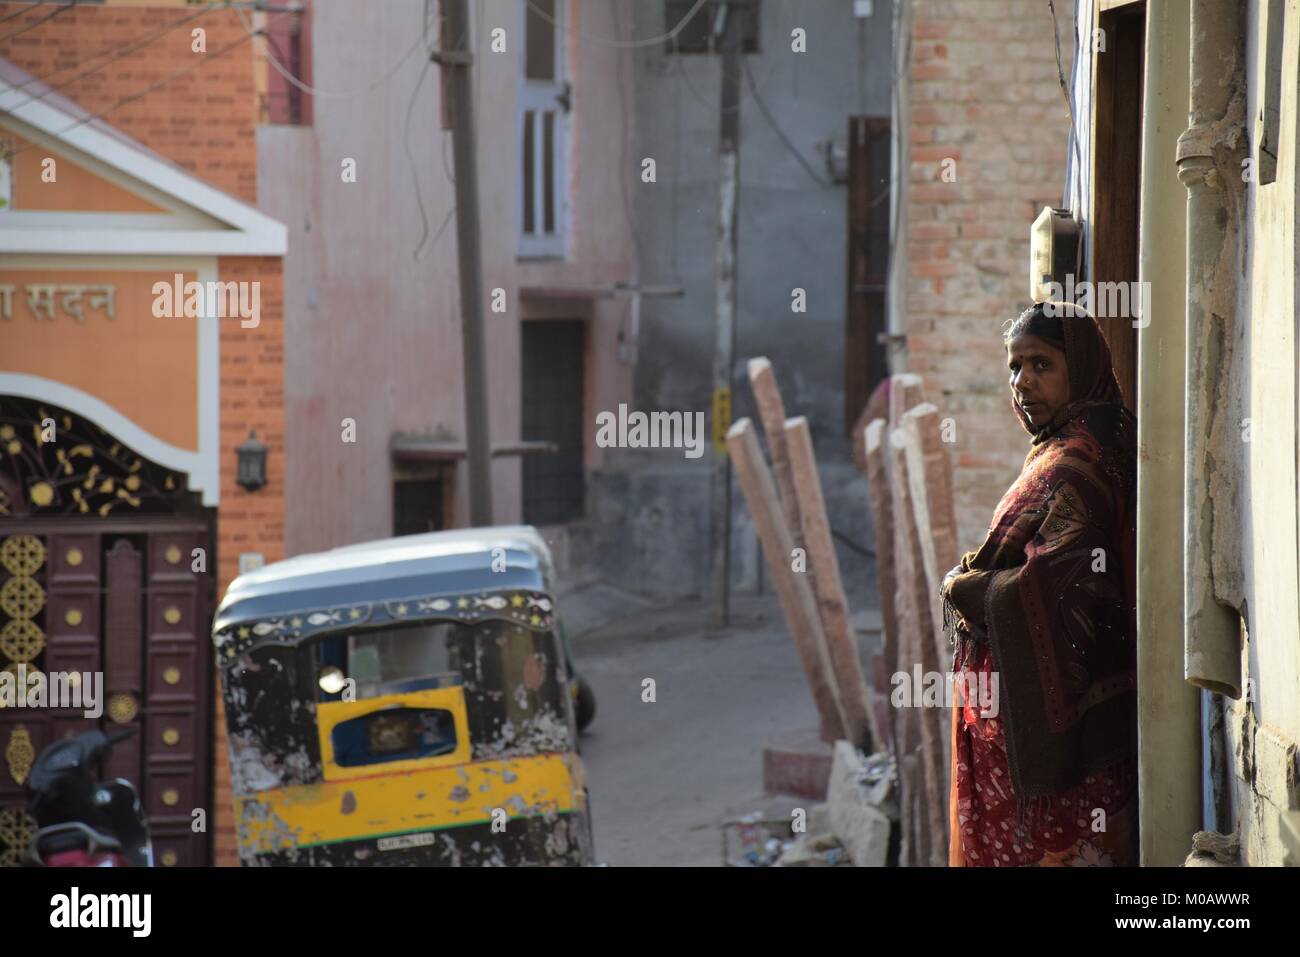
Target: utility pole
[455,59]
[729,27]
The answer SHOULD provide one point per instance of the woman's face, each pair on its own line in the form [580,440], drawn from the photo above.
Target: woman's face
[1040,382]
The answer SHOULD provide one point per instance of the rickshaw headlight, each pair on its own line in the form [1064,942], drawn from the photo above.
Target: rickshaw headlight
[331,679]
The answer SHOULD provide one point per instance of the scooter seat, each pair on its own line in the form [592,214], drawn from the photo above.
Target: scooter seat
[72,836]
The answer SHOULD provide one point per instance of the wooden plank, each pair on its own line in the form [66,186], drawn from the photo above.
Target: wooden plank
[882,522]
[930,480]
[930,477]
[908,720]
[771,412]
[793,589]
[916,648]
[828,587]
[904,393]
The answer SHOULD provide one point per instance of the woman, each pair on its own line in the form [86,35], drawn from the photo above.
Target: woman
[1044,615]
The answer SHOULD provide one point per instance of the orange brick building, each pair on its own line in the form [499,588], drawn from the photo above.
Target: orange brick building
[984,133]
[129,170]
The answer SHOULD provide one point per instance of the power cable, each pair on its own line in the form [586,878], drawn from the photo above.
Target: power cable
[21,10]
[415,177]
[144,92]
[771,121]
[1065,90]
[624,44]
[49,16]
[315,91]
[122,50]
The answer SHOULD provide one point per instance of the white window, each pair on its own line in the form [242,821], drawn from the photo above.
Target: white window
[543,131]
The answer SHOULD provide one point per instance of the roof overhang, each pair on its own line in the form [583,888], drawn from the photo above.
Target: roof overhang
[42,115]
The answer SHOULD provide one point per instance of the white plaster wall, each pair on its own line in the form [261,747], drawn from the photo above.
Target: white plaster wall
[372,333]
[1267,369]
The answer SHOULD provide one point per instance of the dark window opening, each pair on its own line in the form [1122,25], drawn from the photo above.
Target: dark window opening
[418,505]
[288,40]
[539,42]
[529,160]
[696,35]
[548,172]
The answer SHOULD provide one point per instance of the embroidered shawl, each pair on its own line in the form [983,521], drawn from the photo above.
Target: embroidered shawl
[1052,588]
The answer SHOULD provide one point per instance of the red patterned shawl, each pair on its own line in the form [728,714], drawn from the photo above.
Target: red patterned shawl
[1052,588]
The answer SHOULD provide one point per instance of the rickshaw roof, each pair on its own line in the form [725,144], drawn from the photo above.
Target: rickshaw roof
[433,563]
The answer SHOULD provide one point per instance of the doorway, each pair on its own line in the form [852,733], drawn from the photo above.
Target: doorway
[552,393]
[107,572]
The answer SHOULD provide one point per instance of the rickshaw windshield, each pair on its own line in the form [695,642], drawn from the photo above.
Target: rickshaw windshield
[389,661]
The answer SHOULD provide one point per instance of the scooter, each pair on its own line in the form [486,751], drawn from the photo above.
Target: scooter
[82,821]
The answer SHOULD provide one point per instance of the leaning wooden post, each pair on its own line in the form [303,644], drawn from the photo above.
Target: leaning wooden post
[882,521]
[793,589]
[930,478]
[828,587]
[771,411]
[915,850]
[905,391]
[917,656]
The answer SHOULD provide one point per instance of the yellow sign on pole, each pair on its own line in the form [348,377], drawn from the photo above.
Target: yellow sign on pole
[721,419]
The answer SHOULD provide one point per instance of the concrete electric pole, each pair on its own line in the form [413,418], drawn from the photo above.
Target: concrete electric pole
[455,59]
[729,28]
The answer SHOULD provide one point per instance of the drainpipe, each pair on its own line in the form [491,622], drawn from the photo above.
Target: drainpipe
[1210,152]
[1169,733]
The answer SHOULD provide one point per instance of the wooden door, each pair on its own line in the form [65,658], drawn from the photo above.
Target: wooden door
[868,267]
[128,598]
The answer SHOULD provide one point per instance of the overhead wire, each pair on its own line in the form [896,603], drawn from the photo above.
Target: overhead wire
[623,44]
[776,128]
[1065,89]
[25,9]
[45,19]
[120,50]
[158,84]
[316,91]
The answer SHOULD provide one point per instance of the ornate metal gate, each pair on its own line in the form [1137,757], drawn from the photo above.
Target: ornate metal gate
[104,567]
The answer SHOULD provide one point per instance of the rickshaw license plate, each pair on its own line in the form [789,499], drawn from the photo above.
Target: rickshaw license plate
[405,841]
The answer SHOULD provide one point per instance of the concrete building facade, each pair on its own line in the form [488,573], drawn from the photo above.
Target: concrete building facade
[1208,90]
[374,385]
[809,68]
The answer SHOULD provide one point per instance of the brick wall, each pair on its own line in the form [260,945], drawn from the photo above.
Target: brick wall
[204,120]
[983,91]
[252,398]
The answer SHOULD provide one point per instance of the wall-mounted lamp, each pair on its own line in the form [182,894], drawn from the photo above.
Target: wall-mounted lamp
[252,463]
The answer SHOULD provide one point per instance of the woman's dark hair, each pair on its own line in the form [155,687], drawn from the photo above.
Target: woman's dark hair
[1036,321]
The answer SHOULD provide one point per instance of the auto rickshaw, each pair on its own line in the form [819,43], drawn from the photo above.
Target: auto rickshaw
[404,702]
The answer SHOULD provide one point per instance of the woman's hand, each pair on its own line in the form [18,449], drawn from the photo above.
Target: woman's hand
[961,622]
[947,579]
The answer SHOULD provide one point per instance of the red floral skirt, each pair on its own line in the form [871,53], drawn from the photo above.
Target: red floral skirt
[1093,824]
